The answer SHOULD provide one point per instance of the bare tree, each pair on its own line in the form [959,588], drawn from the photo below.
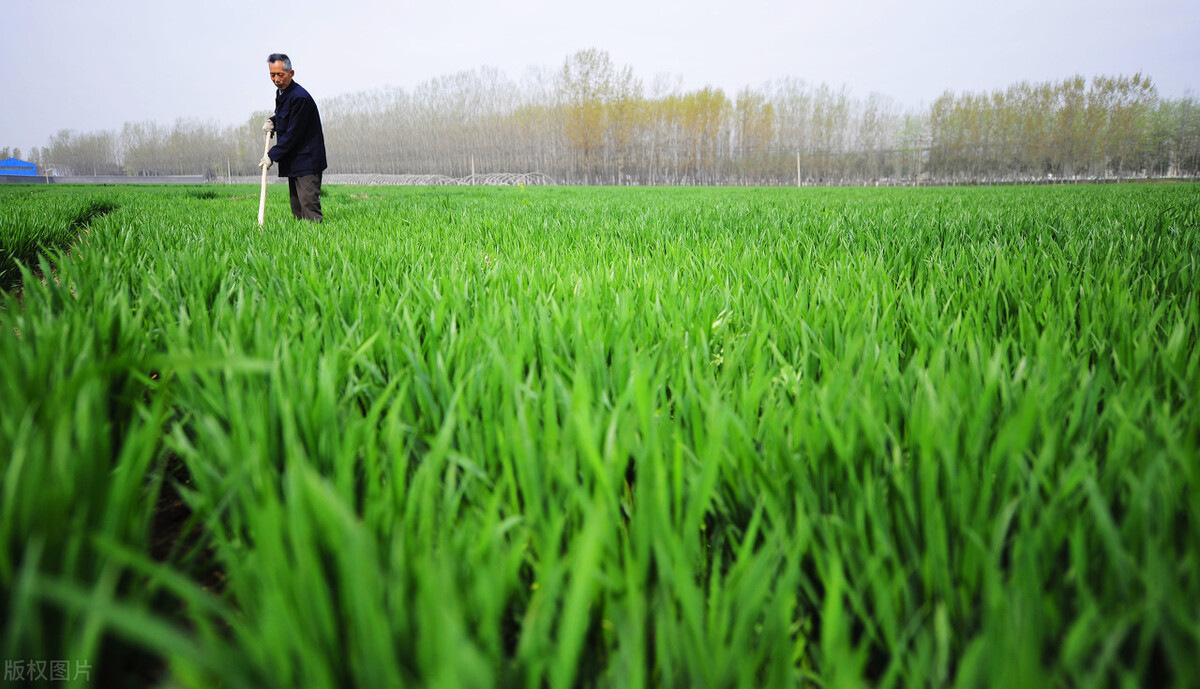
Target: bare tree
[593,122]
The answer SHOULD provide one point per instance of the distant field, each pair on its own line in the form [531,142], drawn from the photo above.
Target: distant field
[602,437]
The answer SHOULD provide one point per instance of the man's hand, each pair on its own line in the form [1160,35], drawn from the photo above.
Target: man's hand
[265,162]
[268,125]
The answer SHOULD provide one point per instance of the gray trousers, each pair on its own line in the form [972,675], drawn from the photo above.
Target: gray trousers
[305,194]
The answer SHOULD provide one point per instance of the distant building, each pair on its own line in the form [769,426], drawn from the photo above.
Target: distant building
[12,166]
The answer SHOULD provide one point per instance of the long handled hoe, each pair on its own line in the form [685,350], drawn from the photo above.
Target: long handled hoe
[262,197]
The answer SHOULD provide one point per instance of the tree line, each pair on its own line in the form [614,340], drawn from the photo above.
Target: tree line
[594,122]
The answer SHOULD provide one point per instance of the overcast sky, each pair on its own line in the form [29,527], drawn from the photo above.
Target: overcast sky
[91,65]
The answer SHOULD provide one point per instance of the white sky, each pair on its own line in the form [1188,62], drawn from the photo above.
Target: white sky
[93,64]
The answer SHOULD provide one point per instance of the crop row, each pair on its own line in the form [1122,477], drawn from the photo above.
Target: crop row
[624,437]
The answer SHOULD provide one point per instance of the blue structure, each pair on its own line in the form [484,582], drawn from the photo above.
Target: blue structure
[12,166]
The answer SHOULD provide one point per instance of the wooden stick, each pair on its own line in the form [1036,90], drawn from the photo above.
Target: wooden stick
[262,197]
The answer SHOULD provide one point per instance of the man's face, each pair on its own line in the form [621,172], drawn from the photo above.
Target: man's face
[281,75]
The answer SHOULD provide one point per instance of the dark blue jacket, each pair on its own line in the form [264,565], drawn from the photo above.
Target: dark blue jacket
[299,142]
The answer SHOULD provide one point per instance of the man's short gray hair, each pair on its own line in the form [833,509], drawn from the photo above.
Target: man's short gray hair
[280,57]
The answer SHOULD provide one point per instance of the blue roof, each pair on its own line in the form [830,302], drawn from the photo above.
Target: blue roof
[12,166]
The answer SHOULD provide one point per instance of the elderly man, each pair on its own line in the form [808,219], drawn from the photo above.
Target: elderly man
[299,148]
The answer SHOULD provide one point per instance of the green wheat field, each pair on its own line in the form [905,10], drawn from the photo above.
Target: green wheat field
[602,437]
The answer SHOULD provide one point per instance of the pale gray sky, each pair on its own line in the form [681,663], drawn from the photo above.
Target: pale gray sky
[90,65]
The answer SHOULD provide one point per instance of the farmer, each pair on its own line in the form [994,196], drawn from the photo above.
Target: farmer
[299,143]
